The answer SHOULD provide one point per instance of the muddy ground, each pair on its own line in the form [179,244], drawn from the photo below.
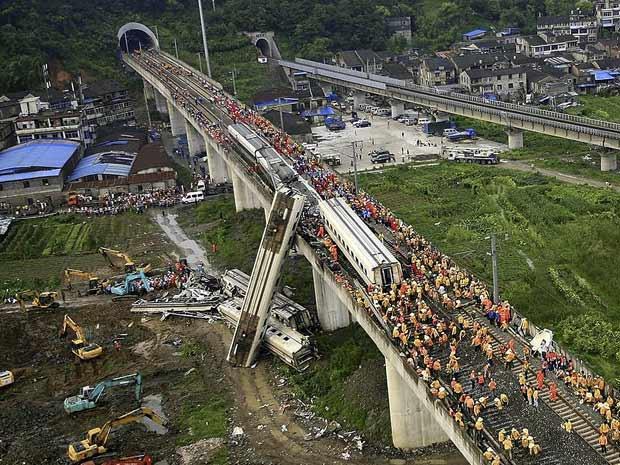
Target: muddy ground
[35,430]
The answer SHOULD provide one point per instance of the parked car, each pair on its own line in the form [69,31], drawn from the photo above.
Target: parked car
[193,197]
[381,156]
[362,123]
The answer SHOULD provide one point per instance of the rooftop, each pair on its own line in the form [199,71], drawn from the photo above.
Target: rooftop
[112,163]
[551,20]
[151,156]
[480,73]
[36,159]
[102,87]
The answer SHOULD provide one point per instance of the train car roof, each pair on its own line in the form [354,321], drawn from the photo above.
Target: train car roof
[358,234]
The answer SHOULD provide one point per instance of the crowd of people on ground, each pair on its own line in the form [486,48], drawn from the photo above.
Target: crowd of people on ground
[413,312]
[116,203]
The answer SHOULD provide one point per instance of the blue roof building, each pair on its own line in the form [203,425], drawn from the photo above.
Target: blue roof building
[475,34]
[36,170]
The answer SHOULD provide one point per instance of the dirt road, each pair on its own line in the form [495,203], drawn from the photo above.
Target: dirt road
[568,178]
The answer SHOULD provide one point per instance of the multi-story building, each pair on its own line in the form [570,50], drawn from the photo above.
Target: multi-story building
[577,24]
[544,44]
[437,71]
[608,14]
[50,124]
[399,26]
[510,81]
[36,171]
[107,102]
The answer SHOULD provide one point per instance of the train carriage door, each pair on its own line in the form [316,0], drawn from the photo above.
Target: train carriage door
[388,277]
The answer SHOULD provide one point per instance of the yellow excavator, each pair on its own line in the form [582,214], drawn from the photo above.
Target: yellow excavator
[97,438]
[70,275]
[40,300]
[80,346]
[113,257]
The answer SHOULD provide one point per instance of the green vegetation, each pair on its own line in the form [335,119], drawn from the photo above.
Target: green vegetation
[68,34]
[598,107]
[557,243]
[578,166]
[34,252]
[208,418]
[332,382]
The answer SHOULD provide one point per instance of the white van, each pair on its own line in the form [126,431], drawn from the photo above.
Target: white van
[384,112]
[201,186]
[422,121]
[193,197]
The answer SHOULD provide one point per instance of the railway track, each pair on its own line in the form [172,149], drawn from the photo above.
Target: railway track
[495,420]
[565,407]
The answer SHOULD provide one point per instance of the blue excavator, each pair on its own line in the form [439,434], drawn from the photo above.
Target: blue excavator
[135,283]
[89,395]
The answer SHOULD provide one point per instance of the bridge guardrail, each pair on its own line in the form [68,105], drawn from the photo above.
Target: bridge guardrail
[554,116]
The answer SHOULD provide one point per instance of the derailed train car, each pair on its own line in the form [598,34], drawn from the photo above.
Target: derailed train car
[274,169]
[366,253]
[292,347]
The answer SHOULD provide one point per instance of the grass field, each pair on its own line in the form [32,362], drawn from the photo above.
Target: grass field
[557,244]
[34,252]
[605,108]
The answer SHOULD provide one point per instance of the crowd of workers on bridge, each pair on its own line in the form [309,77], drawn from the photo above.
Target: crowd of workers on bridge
[412,310]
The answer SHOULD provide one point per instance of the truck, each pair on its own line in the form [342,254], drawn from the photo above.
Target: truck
[436,128]
[334,124]
[480,157]
[89,395]
[455,135]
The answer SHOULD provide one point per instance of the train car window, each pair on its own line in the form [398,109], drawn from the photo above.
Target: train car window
[387,276]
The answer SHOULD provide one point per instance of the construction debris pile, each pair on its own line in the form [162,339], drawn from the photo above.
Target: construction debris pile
[201,296]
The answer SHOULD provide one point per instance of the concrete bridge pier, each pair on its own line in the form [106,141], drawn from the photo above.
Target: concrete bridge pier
[244,198]
[515,139]
[413,426]
[332,312]
[149,90]
[195,140]
[397,107]
[358,99]
[177,121]
[218,170]
[609,162]
[327,88]
[160,102]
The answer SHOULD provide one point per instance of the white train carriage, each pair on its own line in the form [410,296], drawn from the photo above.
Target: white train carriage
[235,283]
[366,253]
[292,347]
[278,171]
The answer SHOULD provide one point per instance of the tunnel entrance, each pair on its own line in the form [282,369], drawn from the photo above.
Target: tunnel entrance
[263,46]
[133,36]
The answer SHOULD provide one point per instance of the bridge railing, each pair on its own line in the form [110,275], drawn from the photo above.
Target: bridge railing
[354,76]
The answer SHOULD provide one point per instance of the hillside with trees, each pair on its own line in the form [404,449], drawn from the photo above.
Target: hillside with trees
[74,35]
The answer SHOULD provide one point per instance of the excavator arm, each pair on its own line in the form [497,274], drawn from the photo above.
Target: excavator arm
[114,256]
[96,439]
[69,275]
[69,323]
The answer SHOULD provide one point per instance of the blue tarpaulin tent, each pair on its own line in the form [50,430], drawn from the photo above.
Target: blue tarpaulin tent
[321,111]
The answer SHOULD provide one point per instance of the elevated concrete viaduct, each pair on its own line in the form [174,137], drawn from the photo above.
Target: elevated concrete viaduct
[413,412]
[417,417]
[516,118]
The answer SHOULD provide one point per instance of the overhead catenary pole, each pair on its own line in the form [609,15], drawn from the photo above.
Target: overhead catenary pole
[199,61]
[495,270]
[204,38]
[234,71]
[176,48]
[354,166]
[146,103]
[126,42]
[213,1]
